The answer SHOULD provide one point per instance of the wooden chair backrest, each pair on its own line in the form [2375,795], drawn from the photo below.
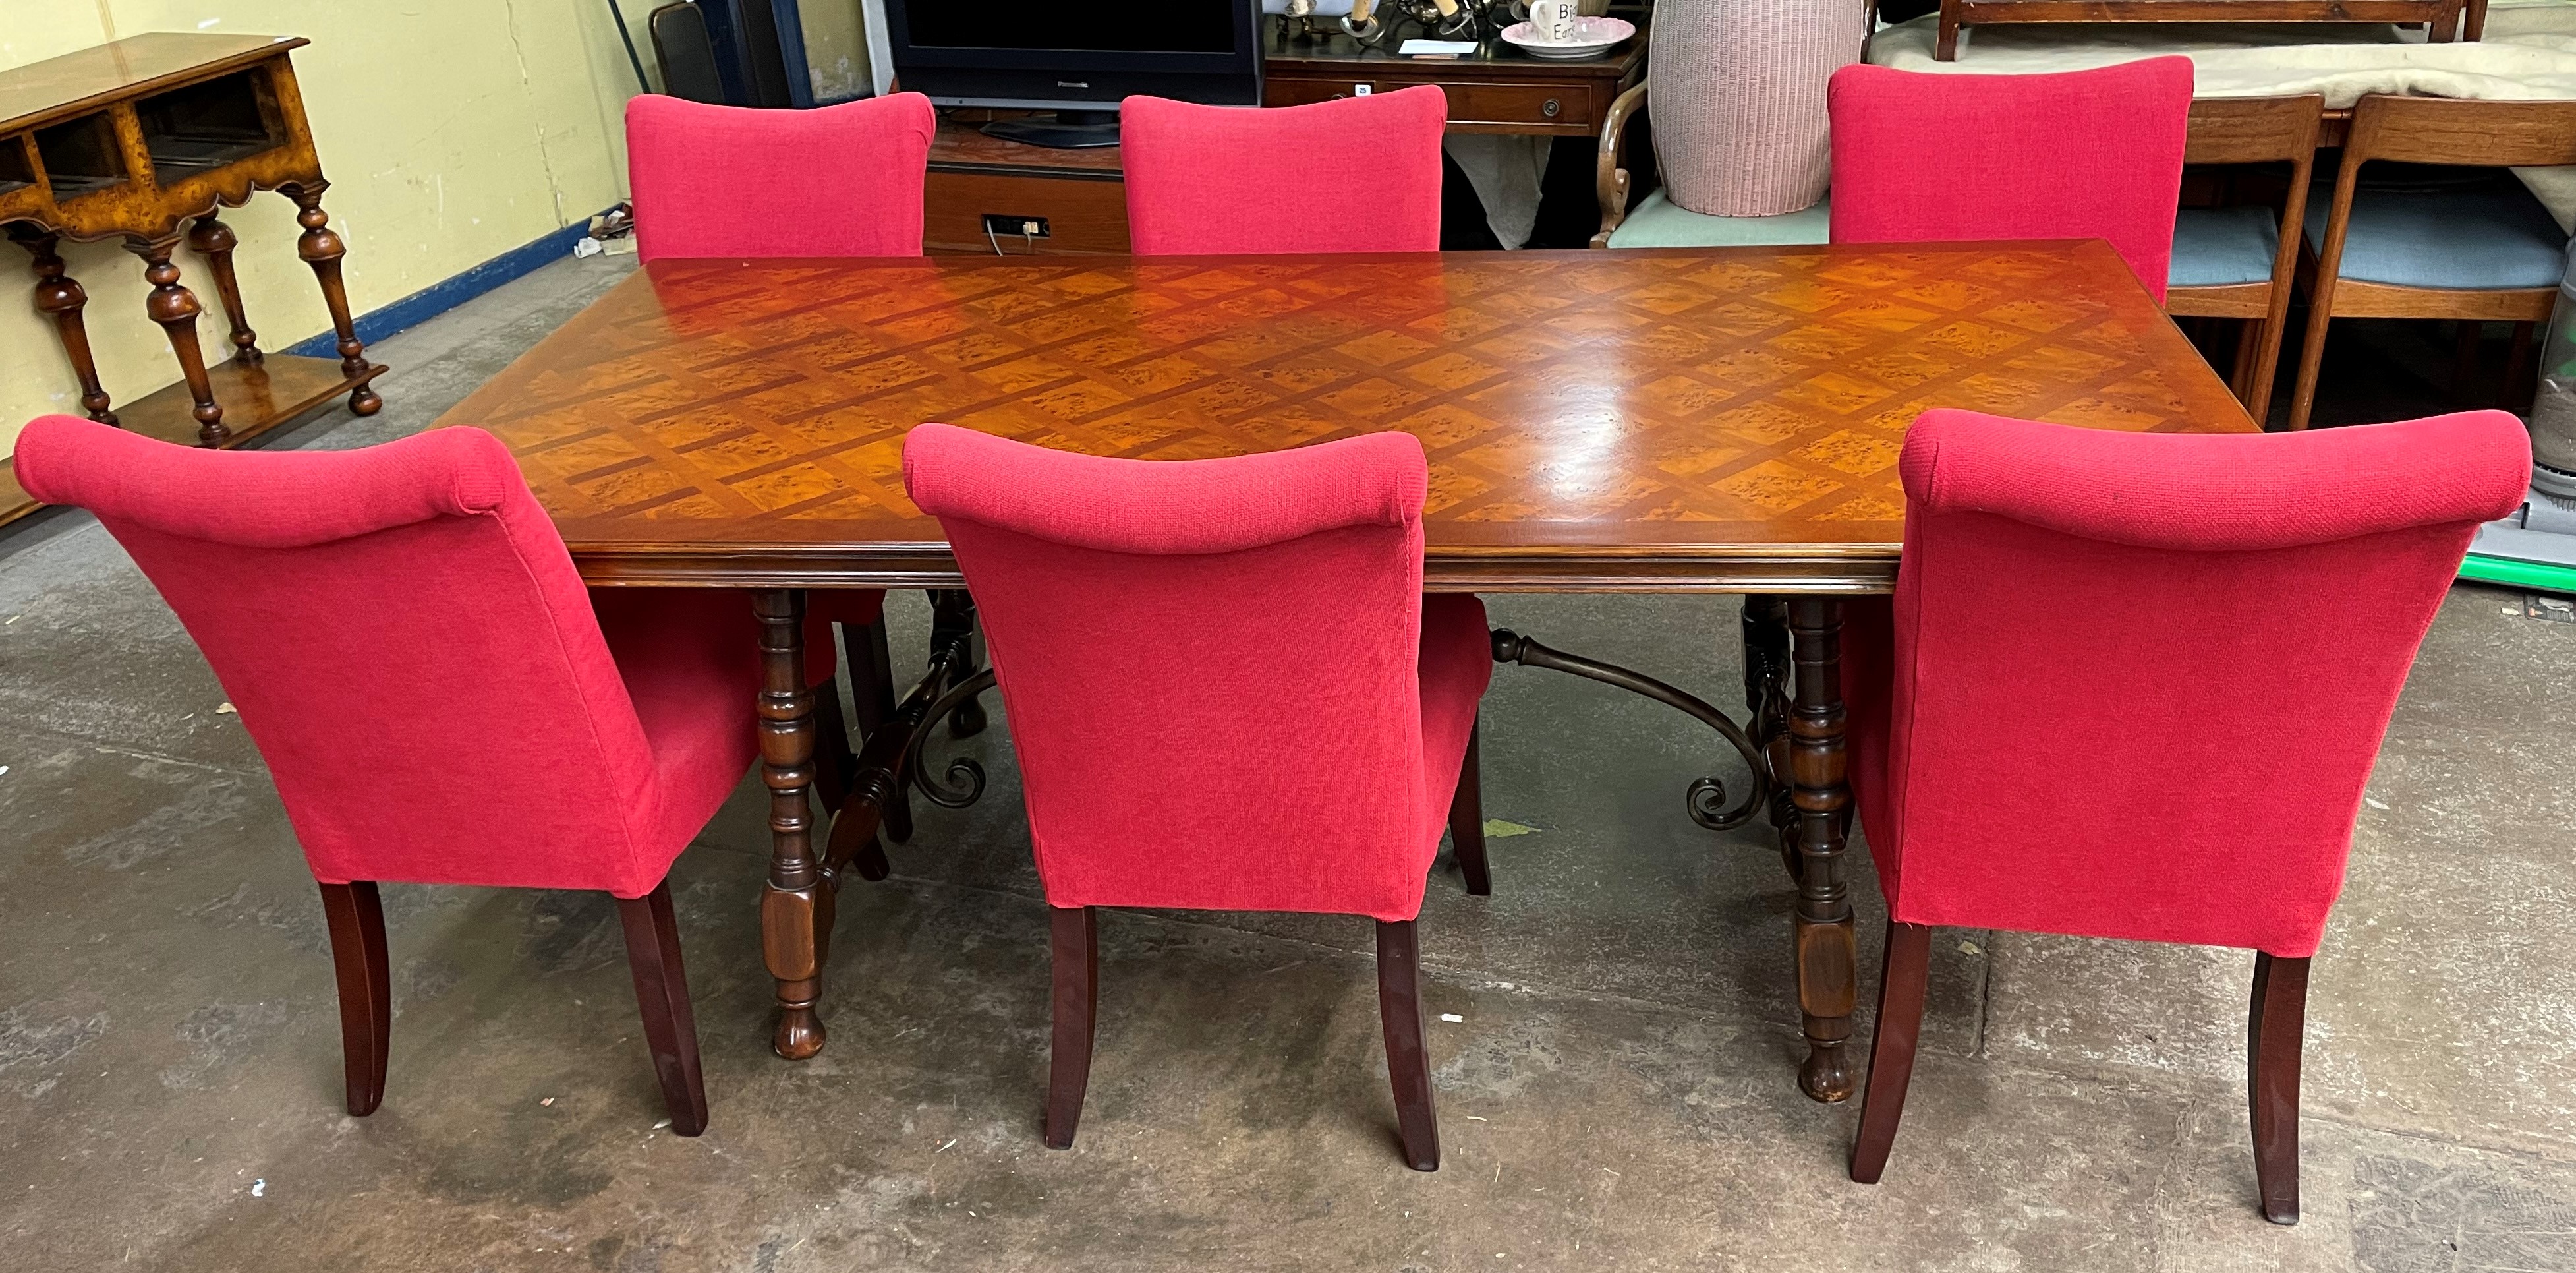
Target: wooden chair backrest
[2458,131]
[2253,130]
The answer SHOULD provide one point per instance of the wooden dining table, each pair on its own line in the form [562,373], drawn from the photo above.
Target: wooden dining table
[1677,421]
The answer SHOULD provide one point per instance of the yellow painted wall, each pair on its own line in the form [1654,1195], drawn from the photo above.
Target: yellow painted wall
[452,131]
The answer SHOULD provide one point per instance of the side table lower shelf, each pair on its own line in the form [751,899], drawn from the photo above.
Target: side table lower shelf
[277,392]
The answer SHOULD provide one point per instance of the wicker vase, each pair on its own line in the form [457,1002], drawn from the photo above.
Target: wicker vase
[1738,100]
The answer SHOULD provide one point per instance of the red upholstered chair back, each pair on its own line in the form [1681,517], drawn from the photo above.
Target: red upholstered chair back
[2139,679]
[1357,175]
[1209,666]
[404,637]
[732,181]
[1921,157]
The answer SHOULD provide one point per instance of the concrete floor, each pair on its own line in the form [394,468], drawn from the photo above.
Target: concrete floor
[1618,1095]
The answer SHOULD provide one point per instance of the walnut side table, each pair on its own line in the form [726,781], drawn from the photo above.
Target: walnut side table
[148,139]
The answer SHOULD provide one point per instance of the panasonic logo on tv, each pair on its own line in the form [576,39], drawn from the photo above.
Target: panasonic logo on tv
[1071,84]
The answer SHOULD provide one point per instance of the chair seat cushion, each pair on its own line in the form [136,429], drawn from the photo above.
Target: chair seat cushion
[1657,222]
[2493,236]
[691,662]
[1457,663]
[2223,247]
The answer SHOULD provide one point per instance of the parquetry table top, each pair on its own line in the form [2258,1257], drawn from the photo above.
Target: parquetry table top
[1722,419]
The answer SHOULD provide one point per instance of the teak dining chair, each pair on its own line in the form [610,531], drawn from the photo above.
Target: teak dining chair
[2265,595]
[2484,255]
[1227,691]
[2241,261]
[729,181]
[411,648]
[1361,174]
[1920,157]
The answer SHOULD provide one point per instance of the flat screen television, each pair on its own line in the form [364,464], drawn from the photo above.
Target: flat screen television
[1076,59]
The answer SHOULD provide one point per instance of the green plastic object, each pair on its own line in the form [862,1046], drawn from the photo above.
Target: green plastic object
[2520,574]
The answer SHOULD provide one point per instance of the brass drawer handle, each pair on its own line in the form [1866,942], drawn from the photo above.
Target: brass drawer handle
[1549,110]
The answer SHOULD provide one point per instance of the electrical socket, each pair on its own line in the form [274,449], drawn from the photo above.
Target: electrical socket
[1009,227]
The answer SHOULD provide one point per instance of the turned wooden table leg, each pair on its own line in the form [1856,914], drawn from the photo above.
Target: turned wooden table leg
[59,295]
[1826,963]
[176,309]
[322,249]
[795,909]
[210,238]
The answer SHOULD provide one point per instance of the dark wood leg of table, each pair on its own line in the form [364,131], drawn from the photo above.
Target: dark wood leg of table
[60,295]
[176,309]
[210,238]
[1827,978]
[322,249]
[796,908]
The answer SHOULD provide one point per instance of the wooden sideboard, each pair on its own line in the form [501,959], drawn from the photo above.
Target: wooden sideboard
[2442,19]
[1080,199]
[146,140]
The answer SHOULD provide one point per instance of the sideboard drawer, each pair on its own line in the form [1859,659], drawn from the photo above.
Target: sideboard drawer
[1535,107]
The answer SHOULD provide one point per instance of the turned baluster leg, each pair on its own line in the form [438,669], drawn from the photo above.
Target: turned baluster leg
[57,294]
[1820,792]
[322,249]
[795,909]
[176,309]
[210,238]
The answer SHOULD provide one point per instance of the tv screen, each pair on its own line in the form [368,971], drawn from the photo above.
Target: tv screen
[1142,26]
[1065,55]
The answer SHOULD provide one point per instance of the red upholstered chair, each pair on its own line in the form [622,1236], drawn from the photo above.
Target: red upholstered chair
[407,642]
[1227,692]
[2097,154]
[1361,174]
[2133,686]
[729,181]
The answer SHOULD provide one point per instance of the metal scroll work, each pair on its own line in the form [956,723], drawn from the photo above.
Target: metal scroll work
[1706,797]
[890,760]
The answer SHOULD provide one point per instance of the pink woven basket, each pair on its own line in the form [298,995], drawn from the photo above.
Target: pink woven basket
[1737,88]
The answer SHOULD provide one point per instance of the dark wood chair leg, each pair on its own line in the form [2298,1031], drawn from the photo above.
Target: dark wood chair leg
[662,992]
[2519,383]
[1408,1061]
[1467,819]
[357,923]
[836,765]
[952,613]
[1075,938]
[871,674]
[2274,1029]
[1891,1048]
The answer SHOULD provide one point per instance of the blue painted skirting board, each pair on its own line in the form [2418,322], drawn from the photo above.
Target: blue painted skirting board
[440,297]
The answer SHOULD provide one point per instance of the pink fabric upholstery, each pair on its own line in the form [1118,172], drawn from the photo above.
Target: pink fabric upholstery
[728,181]
[1225,686]
[2131,685]
[1357,175]
[2096,154]
[406,640]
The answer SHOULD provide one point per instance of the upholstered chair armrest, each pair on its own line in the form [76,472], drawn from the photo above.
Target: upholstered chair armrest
[1610,178]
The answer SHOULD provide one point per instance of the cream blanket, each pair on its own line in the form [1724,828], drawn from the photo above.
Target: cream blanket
[2529,52]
